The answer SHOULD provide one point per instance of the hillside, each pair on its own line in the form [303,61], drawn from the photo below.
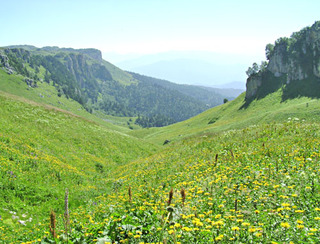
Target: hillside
[102,88]
[257,184]
[210,96]
[44,150]
[236,115]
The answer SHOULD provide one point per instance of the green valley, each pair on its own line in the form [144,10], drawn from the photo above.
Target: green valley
[76,167]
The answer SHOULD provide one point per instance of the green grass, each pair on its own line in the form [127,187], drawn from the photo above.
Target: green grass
[255,185]
[47,95]
[250,175]
[232,115]
[43,151]
[119,75]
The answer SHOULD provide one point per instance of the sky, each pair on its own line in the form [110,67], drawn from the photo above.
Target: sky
[142,27]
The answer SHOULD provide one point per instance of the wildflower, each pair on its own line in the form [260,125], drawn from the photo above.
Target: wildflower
[177,225]
[300,226]
[285,225]
[252,229]
[245,224]
[235,228]
[285,204]
[219,238]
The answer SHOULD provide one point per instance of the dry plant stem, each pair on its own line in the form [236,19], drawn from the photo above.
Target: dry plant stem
[66,212]
[170,196]
[130,194]
[183,196]
[53,224]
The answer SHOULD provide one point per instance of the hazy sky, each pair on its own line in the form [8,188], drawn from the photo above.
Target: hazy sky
[152,26]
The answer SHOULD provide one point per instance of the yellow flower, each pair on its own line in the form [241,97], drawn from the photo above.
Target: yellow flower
[171,232]
[300,226]
[219,238]
[313,229]
[235,228]
[245,224]
[258,234]
[177,225]
[252,229]
[285,204]
[285,225]
[299,221]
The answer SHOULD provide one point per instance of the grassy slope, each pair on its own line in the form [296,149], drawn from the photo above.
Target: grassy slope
[262,186]
[46,94]
[271,169]
[118,74]
[43,151]
[232,116]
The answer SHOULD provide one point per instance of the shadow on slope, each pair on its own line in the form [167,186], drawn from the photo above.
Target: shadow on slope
[269,85]
[309,87]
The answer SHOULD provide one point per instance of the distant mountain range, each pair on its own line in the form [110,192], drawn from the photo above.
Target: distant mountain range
[192,67]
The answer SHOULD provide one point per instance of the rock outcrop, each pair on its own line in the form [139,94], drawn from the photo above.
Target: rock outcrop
[30,82]
[4,63]
[295,59]
[253,83]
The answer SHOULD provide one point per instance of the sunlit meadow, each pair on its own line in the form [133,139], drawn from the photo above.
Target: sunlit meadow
[254,185]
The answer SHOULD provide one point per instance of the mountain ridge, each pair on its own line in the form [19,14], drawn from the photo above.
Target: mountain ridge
[84,76]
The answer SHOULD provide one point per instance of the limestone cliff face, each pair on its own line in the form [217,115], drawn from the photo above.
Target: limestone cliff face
[83,70]
[253,83]
[278,64]
[296,59]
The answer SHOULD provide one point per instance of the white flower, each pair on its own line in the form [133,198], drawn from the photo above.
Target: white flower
[22,222]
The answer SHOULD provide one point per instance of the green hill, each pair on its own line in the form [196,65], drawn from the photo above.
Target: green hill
[102,88]
[44,150]
[236,115]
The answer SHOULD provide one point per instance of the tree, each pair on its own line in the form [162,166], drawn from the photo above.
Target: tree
[225,100]
[269,50]
[252,70]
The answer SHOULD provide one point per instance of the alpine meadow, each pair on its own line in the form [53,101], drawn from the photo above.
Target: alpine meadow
[90,153]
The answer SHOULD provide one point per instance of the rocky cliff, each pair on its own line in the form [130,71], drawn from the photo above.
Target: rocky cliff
[292,59]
